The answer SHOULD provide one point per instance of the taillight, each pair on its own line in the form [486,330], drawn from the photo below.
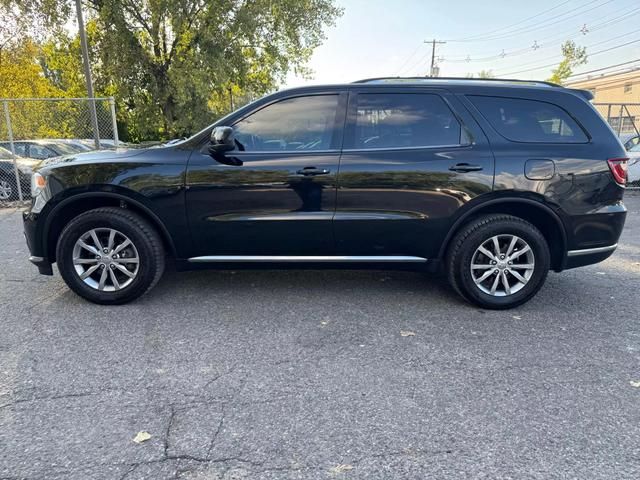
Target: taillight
[618,168]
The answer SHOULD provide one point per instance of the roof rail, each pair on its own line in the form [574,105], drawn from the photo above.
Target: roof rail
[377,79]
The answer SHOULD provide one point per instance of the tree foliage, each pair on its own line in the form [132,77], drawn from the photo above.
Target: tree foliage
[173,65]
[573,56]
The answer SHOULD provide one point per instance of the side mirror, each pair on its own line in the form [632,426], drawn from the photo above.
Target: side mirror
[222,140]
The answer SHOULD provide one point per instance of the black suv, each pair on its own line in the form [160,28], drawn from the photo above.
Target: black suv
[494,182]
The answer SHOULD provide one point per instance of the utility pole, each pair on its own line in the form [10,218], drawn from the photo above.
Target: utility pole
[87,74]
[433,70]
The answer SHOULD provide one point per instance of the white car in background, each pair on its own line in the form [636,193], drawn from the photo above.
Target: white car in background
[633,168]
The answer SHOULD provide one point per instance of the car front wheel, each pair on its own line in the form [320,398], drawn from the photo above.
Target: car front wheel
[498,261]
[110,255]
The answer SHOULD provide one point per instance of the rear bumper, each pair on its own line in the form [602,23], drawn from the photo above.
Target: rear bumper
[588,256]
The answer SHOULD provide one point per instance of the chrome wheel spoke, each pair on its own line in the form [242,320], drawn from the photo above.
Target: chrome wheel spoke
[505,283]
[519,253]
[84,261]
[122,246]
[514,240]
[112,237]
[482,266]
[496,246]
[486,252]
[484,276]
[96,240]
[88,247]
[114,279]
[124,270]
[494,287]
[89,271]
[518,277]
[103,279]
[128,260]
[522,266]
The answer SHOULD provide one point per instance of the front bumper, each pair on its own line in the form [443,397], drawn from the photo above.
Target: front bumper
[38,254]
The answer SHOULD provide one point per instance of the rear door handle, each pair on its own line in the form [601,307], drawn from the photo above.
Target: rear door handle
[465,167]
[311,171]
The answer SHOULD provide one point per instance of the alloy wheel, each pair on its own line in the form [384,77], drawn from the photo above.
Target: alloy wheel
[502,265]
[6,190]
[106,259]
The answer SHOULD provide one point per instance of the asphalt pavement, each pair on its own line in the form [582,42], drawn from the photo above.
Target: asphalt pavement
[320,375]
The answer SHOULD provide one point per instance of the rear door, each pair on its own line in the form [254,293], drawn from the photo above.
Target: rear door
[411,158]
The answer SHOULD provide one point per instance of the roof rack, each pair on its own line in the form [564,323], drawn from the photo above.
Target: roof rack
[426,79]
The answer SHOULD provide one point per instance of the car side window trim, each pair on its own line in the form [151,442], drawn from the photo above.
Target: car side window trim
[350,127]
[562,109]
[338,133]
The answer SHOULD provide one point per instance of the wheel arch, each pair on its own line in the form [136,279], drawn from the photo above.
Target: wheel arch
[535,212]
[79,203]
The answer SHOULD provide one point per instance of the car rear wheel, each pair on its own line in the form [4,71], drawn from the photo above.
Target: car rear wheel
[110,255]
[498,261]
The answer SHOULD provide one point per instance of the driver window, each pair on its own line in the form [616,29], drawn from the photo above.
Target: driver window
[300,123]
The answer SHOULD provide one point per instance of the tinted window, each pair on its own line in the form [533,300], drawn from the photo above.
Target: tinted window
[529,120]
[395,120]
[40,151]
[301,123]
[20,148]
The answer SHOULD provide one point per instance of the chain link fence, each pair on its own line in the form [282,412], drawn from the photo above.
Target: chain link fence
[624,118]
[35,129]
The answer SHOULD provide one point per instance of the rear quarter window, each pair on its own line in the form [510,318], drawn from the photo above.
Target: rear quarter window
[529,121]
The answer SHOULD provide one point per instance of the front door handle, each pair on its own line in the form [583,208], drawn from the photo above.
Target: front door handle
[311,171]
[465,167]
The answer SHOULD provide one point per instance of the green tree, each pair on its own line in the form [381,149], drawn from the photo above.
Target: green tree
[172,63]
[573,56]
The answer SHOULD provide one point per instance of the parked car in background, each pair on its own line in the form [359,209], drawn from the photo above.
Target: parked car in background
[8,186]
[494,182]
[105,144]
[634,166]
[43,149]
[630,140]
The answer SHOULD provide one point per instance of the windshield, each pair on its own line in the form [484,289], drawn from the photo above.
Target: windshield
[635,148]
[67,148]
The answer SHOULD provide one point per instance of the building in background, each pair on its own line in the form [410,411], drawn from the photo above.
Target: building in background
[617,97]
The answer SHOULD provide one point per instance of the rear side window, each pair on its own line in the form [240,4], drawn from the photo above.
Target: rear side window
[401,120]
[530,121]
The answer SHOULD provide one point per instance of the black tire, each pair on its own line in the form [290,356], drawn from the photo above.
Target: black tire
[144,237]
[474,234]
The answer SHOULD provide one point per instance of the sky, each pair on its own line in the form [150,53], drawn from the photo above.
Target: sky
[386,37]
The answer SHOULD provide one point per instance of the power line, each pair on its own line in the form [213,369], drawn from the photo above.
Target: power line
[555,63]
[604,68]
[509,26]
[404,64]
[531,28]
[546,45]
[586,46]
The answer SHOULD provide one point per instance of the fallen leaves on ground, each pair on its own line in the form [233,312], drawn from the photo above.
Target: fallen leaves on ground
[407,333]
[142,437]
[343,467]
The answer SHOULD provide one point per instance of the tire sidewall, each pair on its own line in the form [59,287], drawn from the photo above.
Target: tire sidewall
[523,230]
[80,226]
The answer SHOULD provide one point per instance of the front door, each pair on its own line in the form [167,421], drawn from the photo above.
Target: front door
[276,194]
[411,159]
